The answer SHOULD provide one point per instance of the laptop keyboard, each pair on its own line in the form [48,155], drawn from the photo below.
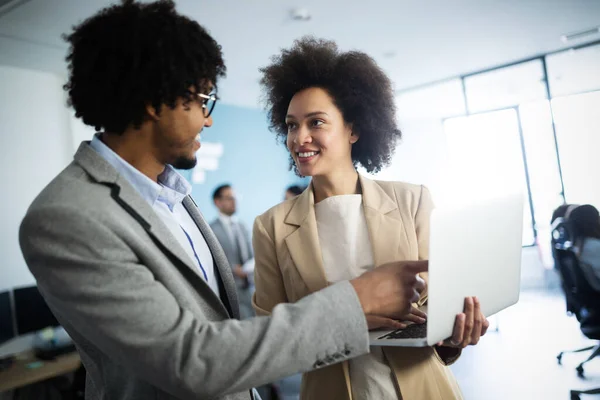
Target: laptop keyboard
[414,331]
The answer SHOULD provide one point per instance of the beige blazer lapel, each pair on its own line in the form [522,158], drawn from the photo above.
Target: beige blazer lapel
[387,233]
[303,243]
[389,240]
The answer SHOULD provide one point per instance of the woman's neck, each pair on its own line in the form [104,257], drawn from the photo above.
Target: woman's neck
[337,183]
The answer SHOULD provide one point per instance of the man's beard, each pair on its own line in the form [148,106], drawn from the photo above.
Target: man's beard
[185,163]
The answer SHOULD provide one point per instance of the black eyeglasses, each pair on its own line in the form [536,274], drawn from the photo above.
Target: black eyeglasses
[208,102]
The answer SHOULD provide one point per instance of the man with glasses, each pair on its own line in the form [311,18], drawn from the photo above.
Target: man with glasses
[122,254]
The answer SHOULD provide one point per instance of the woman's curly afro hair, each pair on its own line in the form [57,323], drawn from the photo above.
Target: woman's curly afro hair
[132,55]
[359,88]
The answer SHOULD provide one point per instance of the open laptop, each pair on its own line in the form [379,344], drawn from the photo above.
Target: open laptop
[474,250]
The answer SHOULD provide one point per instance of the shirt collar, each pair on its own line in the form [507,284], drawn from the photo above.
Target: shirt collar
[171,188]
[226,219]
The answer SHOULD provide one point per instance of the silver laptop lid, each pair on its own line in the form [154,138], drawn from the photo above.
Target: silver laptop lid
[474,250]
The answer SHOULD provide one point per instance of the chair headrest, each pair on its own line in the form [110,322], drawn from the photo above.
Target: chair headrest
[562,238]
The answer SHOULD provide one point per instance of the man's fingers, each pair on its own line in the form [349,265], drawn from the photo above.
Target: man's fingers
[377,322]
[417,312]
[416,267]
[420,284]
[393,324]
[414,318]
[415,297]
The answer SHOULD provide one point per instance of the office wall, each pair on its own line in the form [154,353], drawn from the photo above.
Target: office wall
[252,162]
[35,144]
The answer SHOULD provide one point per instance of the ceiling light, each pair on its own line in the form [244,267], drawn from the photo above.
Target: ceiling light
[580,34]
[300,14]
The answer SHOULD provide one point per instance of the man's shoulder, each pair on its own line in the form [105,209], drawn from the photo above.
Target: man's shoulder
[72,188]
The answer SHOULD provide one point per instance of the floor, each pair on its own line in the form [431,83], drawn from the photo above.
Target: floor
[518,361]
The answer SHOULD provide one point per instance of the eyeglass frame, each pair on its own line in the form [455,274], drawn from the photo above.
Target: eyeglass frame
[207,98]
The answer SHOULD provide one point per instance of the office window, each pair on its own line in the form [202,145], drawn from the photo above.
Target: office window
[542,165]
[574,71]
[441,100]
[577,121]
[506,87]
[486,159]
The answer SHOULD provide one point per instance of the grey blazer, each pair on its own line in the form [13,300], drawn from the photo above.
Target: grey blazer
[226,244]
[145,322]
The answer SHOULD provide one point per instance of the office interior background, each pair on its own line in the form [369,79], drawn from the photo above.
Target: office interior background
[491,95]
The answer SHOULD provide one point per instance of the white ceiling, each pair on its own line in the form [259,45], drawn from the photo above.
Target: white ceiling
[432,40]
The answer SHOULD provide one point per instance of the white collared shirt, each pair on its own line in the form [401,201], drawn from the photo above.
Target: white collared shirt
[347,254]
[166,199]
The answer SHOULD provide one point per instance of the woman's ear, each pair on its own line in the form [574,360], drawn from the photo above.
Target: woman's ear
[354,136]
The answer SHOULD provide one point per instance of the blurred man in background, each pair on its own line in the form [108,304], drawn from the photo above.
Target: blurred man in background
[237,244]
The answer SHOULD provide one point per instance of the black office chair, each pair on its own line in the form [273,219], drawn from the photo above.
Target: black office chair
[581,299]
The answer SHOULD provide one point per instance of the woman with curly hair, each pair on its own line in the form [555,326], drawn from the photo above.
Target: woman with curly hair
[335,110]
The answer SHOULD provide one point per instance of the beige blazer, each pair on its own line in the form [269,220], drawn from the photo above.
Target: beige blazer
[289,266]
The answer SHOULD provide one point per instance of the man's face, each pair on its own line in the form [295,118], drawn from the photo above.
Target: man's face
[176,136]
[226,202]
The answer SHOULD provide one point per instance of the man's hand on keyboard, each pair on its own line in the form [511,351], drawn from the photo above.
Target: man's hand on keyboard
[388,291]
[415,315]
[377,322]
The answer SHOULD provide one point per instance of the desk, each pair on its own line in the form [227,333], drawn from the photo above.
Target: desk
[18,375]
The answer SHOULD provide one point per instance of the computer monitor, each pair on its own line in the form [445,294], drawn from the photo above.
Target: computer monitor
[31,311]
[7,330]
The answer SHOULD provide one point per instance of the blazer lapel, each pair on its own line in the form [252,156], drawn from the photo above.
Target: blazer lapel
[218,254]
[303,243]
[386,230]
[124,194]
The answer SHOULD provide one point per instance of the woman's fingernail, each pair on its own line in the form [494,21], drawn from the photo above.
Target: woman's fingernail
[454,342]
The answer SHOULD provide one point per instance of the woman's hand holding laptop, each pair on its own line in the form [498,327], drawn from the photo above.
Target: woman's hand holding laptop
[469,326]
